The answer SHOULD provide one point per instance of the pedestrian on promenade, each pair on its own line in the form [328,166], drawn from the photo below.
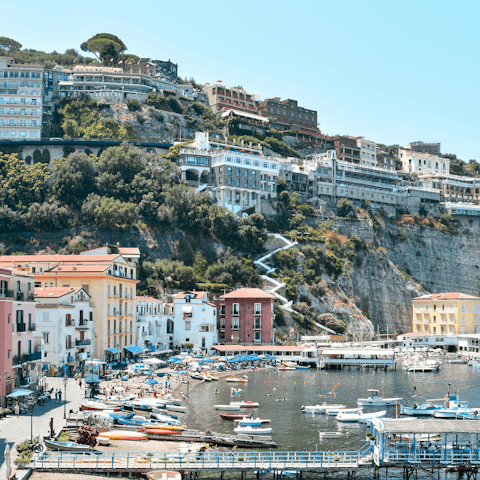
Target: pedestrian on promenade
[60,395]
[80,382]
[56,396]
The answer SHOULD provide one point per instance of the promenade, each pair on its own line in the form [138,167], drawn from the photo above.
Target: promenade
[15,429]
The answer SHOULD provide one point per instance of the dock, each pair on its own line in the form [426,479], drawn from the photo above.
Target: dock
[358,357]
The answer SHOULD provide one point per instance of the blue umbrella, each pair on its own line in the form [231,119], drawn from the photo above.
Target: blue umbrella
[151,381]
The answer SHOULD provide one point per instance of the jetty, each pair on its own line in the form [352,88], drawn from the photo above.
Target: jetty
[358,357]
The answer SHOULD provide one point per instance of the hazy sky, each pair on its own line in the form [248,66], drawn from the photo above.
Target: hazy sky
[393,72]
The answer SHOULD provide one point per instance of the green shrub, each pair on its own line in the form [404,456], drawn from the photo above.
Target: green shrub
[134,105]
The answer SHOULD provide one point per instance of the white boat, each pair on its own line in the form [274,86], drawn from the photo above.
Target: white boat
[376,399]
[320,408]
[335,411]
[327,435]
[235,379]
[176,408]
[367,417]
[248,404]
[251,421]
[229,408]
[253,430]
[349,416]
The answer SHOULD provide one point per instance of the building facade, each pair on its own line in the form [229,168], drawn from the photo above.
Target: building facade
[245,316]
[221,98]
[64,319]
[6,338]
[152,318]
[446,313]
[432,148]
[368,152]
[418,162]
[195,320]
[21,100]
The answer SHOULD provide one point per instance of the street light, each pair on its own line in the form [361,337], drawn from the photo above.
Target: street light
[31,406]
[65,380]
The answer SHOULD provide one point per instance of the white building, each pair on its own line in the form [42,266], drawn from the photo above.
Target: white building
[21,99]
[368,152]
[418,162]
[195,320]
[153,318]
[64,320]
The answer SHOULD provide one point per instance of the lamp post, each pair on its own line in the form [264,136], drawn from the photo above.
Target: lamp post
[65,380]
[32,404]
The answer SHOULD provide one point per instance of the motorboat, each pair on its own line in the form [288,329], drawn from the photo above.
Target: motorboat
[123,435]
[376,399]
[66,446]
[176,408]
[327,435]
[235,379]
[235,416]
[335,411]
[368,417]
[252,422]
[253,430]
[301,367]
[320,408]
[422,365]
[455,412]
[89,405]
[348,416]
[228,408]
[166,418]
[248,404]
[287,366]
[425,409]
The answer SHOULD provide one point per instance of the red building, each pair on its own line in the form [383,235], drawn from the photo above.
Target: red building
[6,339]
[245,316]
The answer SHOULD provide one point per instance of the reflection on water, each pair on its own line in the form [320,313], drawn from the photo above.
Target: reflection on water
[281,395]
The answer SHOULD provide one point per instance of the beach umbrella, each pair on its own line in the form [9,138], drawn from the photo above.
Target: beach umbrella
[151,381]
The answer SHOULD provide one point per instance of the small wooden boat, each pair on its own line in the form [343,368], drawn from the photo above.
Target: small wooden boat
[253,430]
[230,408]
[176,408]
[159,431]
[327,435]
[164,426]
[88,405]
[248,404]
[164,475]
[66,446]
[236,379]
[123,435]
[333,412]
[235,416]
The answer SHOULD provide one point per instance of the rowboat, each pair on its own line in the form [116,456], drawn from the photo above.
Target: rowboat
[235,416]
[88,405]
[230,408]
[327,435]
[248,404]
[286,367]
[123,435]
[348,416]
[159,432]
[366,417]
[425,409]
[253,430]
[301,367]
[335,411]
[176,408]
[163,426]
[66,446]
[235,379]
[376,399]
[164,475]
[320,408]
[251,422]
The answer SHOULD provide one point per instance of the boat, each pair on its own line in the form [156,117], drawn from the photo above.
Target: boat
[368,417]
[236,379]
[425,409]
[89,405]
[163,426]
[235,416]
[248,404]
[320,408]
[159,431]
[248,419]
[66,446]
[252,422]
[422,365]
[176,408]
[205,377]
[335,411]
[376,399]
[123,435]
[458,412]
[253,430]
[301,367]
[230,408]
[213,377]
[285,367]
[327,435]
[349,416]
[166,418]
[163,475]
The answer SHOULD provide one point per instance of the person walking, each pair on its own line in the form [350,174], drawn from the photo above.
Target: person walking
[56,396]
[80,382]
[60,395]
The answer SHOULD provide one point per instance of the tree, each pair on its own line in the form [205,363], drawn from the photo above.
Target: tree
[108,212]
[134,105]
[7,45]
[344,207]
[104,46]
[48,216]
[252,233]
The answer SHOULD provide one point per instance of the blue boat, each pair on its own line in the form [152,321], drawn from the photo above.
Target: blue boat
[425,409]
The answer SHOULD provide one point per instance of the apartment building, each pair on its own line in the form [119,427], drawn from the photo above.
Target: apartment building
[21,100]
[368,152]
[153,316]
[237,176]
[160,68]
[245,316]
[7,379]
[418,162]
[446,313]
[452,188]
[64,319]
[300,178]
[110,280]
[425,147]
[195,320]
[287,115]
[221,98]
[386,161]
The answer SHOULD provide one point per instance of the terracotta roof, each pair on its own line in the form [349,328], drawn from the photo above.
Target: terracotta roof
[195,294]
[447,296]
[147,299]
[79,268]
[258,348]
[55,292]
[9,259]
[248,293]
[416,334]
[129,250]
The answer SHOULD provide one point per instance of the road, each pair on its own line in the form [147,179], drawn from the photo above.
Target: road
[15,429]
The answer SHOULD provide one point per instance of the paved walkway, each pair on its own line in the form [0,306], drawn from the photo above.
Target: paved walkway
[15,429]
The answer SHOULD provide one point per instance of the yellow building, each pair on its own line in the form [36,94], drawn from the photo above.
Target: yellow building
[109,279]
[446,313]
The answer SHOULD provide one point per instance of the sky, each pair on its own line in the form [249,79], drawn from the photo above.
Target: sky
[393,72]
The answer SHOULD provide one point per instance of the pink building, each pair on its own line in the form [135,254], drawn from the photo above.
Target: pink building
[245,315]
[6,351]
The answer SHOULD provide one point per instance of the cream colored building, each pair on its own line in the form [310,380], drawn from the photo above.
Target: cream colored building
[109,279]
[21,99]
[418,162]
[368,152]
[446,313]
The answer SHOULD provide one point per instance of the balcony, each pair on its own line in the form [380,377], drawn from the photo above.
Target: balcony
[68,346]
[7,293]
[82,324]
[31,357]
[82,343]
[257,312]
[21,327]
[70,323]
[426,322]
[32,327]
[235,312]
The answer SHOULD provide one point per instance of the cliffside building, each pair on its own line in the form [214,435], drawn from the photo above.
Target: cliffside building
[418,162]
[432,148]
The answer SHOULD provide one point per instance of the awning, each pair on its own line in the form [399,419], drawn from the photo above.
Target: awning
[187,309]
[133,349]
[20,393]
[161,352]
[112,350]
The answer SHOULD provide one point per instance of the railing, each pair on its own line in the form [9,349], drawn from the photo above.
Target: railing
[21,327]
[32,327]
[32,356]
[431,455]
[202,461]
[5,293]
[81,343]
[83,323]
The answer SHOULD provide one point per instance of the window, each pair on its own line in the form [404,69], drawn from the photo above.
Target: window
[45,337]
[188,325]
[258,323]
[230,180]
[235,323]
[258,336]
[237,182]
[238,172]
[236,309]
[246,183]
[257,309]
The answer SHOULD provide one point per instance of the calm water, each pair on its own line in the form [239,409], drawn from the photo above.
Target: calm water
[294,430]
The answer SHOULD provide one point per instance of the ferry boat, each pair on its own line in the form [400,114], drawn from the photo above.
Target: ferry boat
[376,399]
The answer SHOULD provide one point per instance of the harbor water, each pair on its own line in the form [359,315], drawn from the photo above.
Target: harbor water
[281,395]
